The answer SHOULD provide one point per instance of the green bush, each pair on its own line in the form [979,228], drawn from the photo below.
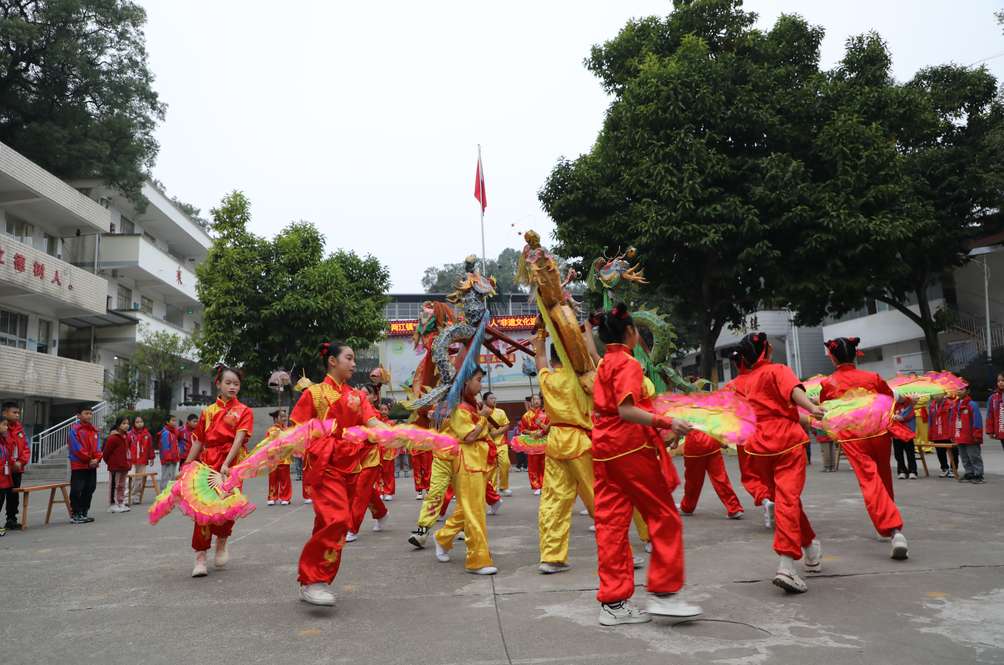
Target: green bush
[153,418]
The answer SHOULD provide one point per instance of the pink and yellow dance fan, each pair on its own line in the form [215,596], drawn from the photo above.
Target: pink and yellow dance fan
[814,386]
[857,414]
[198,492]
[931,385]
[722,415]
[531,445]
[278,448]
[406,436]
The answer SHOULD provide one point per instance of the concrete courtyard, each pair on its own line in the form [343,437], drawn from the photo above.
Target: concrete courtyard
[119,591]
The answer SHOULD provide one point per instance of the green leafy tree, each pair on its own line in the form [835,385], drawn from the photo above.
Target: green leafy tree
[904,176]
[164,357]
[76,92]
[703,137]
[443,279]
[269,304]
[122,389]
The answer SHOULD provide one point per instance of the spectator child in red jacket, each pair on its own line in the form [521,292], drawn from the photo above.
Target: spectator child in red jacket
[84,450]
[116,457]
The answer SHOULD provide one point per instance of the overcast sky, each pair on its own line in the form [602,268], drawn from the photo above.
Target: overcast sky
[364,117]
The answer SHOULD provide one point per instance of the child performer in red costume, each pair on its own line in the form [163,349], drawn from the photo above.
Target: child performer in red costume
[868,457]
[332,468]
[628,475]
[776,452]
[280,485]
[534,422]
[703,455]
[388,460]
[222,431]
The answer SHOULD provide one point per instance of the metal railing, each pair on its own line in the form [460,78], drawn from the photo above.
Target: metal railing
[976,328]
[50,441]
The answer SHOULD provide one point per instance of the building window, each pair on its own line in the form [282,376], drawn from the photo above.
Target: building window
[126,226]
[21,231]
[44,336]
[13,329]
[51,245]
[146,305]
[871,355]
[124,297]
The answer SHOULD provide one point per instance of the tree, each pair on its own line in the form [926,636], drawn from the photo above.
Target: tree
[709,117]
[76,93]
[443,279]
[269,304]
[903,177]
[122,390]
[163,356]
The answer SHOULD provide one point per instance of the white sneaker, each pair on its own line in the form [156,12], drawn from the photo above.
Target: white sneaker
[493,509]
[442,555]
[670,605]
[648,548]
[308,501]
[901,476]
[616,614]
[316,594]
[389,497]
[738,515]
[284,503]
[768,513]
[487,570]
[125,508]
[351,537]
[461,537]
[945,473]
[592,527]
[584,512]
[550,568]
[787,579]
[506,492]
[419,497]
[379,524]
[222,555]
[270,502]
[912,476]
[536,492]
[113,508]
[638,562]
[200,569]
[812,558]
[900,551]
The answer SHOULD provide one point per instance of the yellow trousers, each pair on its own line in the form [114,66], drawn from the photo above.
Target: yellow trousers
[439,482]
[468,516]
[502,473]
[563,481]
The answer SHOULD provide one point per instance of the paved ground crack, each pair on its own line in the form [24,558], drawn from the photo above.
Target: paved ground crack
[819,576]
[498,616]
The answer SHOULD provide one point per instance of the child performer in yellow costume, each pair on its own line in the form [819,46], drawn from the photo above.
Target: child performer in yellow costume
[469,424]
[499,424]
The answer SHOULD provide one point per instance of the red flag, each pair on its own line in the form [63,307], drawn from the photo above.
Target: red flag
[479,186]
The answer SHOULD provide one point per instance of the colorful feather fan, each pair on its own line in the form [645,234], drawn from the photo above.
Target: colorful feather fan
[931,385]
[269,453]
[403,436]
[198,492]
[857,414]
[814,386]
[722,415]
[524,443]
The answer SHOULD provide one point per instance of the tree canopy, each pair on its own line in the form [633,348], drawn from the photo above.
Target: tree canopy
[748,178]
[164,357]
[270,303]
[76,92]
[443,279]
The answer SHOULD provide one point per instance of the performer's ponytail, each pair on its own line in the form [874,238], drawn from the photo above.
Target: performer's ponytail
[613,325]
[751,349]
[330,349]
[843,349]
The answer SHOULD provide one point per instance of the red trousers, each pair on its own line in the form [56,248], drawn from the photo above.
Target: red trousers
[784,476]
[421,469]
[362,496]
[202,536]
[304,487]
[694,470]
[636,480]
[322,555]
[491,498]
[535,469]
[387,483]
[280,487]
[750,478]
[870,460]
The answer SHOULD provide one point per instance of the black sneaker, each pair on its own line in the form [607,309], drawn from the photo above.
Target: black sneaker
[12,526]
[76,519]
[86,519]
[418,537]
[978,480]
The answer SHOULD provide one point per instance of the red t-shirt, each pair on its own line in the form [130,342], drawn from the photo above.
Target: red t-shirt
[217,428]
[768,387]
[349,407]
[618,377]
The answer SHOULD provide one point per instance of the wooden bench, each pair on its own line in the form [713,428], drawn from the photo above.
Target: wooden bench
[52,487]
[150,476]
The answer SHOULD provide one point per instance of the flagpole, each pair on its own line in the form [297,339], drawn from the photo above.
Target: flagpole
[484,254]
